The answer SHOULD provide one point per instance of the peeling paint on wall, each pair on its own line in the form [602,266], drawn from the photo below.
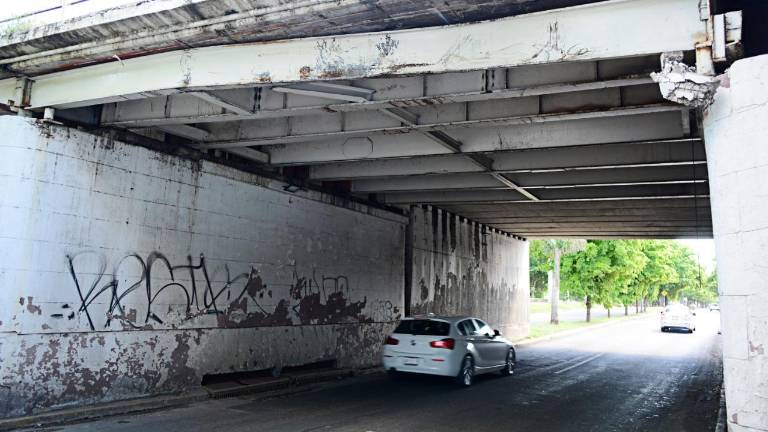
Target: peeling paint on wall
[126,272]
[464,268]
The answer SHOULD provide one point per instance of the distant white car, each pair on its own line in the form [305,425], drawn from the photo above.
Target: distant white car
[459,347]
[678,317]
[714,307]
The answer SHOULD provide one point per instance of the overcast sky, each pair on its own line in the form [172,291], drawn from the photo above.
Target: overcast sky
[705,249]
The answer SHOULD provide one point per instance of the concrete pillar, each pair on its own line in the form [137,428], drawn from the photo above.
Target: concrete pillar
[736,134]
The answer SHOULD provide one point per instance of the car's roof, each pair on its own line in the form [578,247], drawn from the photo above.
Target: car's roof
[449,318]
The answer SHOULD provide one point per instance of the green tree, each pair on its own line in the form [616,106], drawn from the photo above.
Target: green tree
[540,265]
[603,272]
[657,271]
[556,249]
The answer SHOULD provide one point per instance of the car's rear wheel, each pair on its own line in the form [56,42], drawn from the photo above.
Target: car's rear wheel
[466,375]
[509,367]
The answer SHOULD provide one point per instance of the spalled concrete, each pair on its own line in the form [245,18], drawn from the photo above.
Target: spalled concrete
[735,136]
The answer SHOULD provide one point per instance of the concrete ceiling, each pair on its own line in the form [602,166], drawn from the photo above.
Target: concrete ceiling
[579,143]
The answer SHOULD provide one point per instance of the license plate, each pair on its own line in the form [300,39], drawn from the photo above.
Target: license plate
[411,362]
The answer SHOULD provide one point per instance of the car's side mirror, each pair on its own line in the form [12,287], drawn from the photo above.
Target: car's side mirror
[496,333]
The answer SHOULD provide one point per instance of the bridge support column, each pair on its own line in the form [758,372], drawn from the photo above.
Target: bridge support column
[736,137]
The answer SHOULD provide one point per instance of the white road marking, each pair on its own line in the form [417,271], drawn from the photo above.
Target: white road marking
[578,364]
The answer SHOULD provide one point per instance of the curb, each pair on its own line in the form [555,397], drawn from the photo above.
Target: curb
[103,410]
[278,386]
[721,413]
[565,333]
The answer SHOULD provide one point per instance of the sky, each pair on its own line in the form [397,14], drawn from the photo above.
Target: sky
[705,249]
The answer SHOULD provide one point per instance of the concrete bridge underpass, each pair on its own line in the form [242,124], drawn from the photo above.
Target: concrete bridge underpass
[188,181]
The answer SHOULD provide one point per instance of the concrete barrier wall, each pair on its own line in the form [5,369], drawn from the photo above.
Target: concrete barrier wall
[736,138]
[126,272]
[460,267]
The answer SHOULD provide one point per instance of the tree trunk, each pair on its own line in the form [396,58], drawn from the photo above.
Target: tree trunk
[589,309]
[637,306]
[626,310]
[609,312]
[555,294]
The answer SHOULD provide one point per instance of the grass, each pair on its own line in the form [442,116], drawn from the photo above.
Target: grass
[541,307]
[541,330]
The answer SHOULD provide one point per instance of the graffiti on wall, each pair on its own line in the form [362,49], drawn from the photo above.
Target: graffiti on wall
[144,292]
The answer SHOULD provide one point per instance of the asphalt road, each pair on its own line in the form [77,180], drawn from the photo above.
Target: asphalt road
[624,377]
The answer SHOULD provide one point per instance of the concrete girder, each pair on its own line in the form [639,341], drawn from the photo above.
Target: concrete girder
[682,151]
[677,173]
[493,137]
[575,194]
[577,33]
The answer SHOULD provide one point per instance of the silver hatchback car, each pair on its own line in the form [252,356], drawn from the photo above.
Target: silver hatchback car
[455,346]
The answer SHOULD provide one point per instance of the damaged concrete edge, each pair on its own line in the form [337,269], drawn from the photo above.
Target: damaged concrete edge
[279,387]
[681,83]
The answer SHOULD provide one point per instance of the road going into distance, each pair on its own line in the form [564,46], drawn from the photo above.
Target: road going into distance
[627,376]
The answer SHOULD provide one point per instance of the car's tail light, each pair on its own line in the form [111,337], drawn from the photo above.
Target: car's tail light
[391,341]
[443,343]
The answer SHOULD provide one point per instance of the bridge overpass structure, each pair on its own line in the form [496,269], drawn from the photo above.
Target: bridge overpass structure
[323,167]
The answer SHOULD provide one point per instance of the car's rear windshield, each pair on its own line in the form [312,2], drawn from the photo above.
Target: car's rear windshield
[424,327]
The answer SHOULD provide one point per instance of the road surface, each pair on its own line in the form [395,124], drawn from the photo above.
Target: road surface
[626,376]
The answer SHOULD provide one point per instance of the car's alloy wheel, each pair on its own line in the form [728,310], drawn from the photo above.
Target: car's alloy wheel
[509,368]
[467,372]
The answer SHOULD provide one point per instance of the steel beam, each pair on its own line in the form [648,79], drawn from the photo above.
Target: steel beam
[577,33]
[434,129]
[607,207]
[581,178]
[387,105]
[221,101]
[580,194]
[490,138]
[604,156]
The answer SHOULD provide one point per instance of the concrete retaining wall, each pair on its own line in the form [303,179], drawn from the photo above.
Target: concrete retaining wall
[737,153]
[126,272]
[464,268]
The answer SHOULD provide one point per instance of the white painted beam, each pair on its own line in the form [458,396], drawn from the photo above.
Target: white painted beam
[222,102]
[185,131]
[494,137]
[605,156]
[141,119]
[251,154]
[524,120]
[328,91]
[580,194]
[609,29]
[558,179]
